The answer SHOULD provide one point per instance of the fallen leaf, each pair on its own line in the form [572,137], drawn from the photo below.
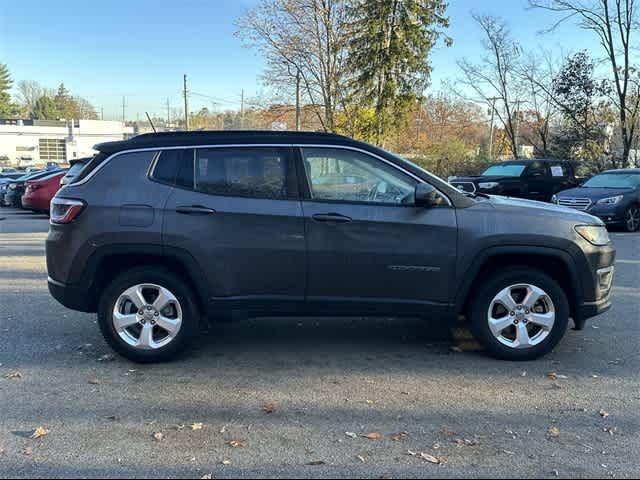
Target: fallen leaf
[361,458]
[430,458]
[2,452]
[455,349]
[112,418]
[223,430]
[523,374]
[27,451]
[109,357]
[237,444]
[604,413]
[226,462]
[316,463]
[94,381]
[158,436]
[13,376]
[197,426]
[207,477]
[351,435]
[508,452]
[554,432]
[397,437]
[39,433]
[372,436]
[611,430]
[268,407]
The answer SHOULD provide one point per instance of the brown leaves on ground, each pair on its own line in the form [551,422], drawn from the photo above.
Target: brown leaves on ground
[268,407]
[398,437]
[237,444]
[226,462]
[27,451]
[39,433]
[604,413]
[158,436]
[197,426]
[554,432]
[555,377]
[426,457]
[109,357]
[13,376]
[372,436]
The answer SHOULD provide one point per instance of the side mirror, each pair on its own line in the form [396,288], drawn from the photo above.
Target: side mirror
[426,195]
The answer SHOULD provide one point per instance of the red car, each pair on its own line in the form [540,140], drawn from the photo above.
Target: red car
[38,193]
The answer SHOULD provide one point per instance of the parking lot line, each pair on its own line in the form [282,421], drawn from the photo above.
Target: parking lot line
[629,262]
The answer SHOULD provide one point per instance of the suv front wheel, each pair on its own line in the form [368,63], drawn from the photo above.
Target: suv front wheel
[148,315]
[519,314]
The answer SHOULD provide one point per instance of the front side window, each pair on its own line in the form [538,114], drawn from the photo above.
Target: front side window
[245,172]
[346,175]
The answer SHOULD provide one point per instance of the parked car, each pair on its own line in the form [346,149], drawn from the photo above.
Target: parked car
[39,192]
[76,167]
[163,231]
[530,179]
[15,188]
[613,196]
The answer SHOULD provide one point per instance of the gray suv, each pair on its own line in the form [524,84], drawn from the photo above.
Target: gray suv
[162,232]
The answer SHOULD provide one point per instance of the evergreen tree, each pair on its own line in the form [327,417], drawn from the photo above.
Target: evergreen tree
[389,50]
[7,108]
[45,109]
[64,103]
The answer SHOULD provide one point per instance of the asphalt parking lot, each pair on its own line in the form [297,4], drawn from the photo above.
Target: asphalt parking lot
[322,380]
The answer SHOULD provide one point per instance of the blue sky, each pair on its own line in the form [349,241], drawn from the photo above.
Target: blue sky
[104,50]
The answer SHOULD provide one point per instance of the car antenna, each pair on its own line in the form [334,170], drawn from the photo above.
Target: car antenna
[151,122]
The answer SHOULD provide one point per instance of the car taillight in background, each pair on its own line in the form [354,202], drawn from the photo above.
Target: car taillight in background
[65,211]
[33,186]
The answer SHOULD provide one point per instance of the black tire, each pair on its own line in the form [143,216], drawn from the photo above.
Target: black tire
[627,226]
[483,297]
[162,277]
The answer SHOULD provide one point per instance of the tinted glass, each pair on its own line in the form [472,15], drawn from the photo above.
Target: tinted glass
[245,172]
[614,180]
[75,169]
[346,175]
[511,170]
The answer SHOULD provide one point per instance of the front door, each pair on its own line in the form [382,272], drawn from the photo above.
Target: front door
[235,210]
[367,241]
[537,180]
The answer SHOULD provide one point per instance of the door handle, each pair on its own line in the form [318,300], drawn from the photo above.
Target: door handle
[195,210]
[331,217]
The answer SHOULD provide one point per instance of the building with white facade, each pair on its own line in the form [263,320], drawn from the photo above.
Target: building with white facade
[25,143]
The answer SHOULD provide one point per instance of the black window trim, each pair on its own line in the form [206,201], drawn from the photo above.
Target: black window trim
[291,174]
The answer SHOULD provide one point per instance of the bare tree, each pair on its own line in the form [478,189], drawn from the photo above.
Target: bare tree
[496,76]
[613,22]
[305,36]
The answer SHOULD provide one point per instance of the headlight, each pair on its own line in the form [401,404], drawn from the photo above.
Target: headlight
[611,200]
[554,199]
[595,234]
[488,185]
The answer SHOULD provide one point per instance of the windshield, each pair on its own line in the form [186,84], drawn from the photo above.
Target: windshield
[506,170]
[614,180]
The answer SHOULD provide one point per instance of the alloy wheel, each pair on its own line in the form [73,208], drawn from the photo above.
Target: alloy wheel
[147,316]
[633,219]
[521,316]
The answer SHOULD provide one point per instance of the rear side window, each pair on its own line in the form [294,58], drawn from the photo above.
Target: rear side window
[244,172]
[94,163]
[174,167]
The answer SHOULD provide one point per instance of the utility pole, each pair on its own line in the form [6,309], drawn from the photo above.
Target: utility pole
[242,111]
[124,105]
[298,100]
[517,132]
[101,113]
[168,114]
[186,105]
[491,128]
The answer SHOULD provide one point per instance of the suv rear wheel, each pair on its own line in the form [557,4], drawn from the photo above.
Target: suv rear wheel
[519,314]
[148,315]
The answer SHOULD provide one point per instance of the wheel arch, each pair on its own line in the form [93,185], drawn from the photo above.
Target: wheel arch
[558,264]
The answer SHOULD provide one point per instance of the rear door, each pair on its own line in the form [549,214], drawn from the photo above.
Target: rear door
[235,211]
[368,245]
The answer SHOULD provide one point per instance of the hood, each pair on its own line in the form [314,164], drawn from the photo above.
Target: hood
[542,208]
[593,193]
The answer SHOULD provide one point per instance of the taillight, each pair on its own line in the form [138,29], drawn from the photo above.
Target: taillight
[64,210]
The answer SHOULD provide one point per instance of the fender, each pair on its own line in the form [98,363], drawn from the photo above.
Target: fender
[466,282]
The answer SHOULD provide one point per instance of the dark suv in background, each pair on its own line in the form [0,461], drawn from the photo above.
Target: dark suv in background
[161,231]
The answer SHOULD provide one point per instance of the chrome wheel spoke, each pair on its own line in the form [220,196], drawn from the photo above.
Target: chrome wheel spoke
[171,326]
[135,295]
[499,325]
[146,341]
[534,295]
[124,321]
[522,336]
[505,299]
[165,297]
[543,320]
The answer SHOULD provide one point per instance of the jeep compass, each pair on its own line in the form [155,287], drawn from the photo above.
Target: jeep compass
[163,232]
